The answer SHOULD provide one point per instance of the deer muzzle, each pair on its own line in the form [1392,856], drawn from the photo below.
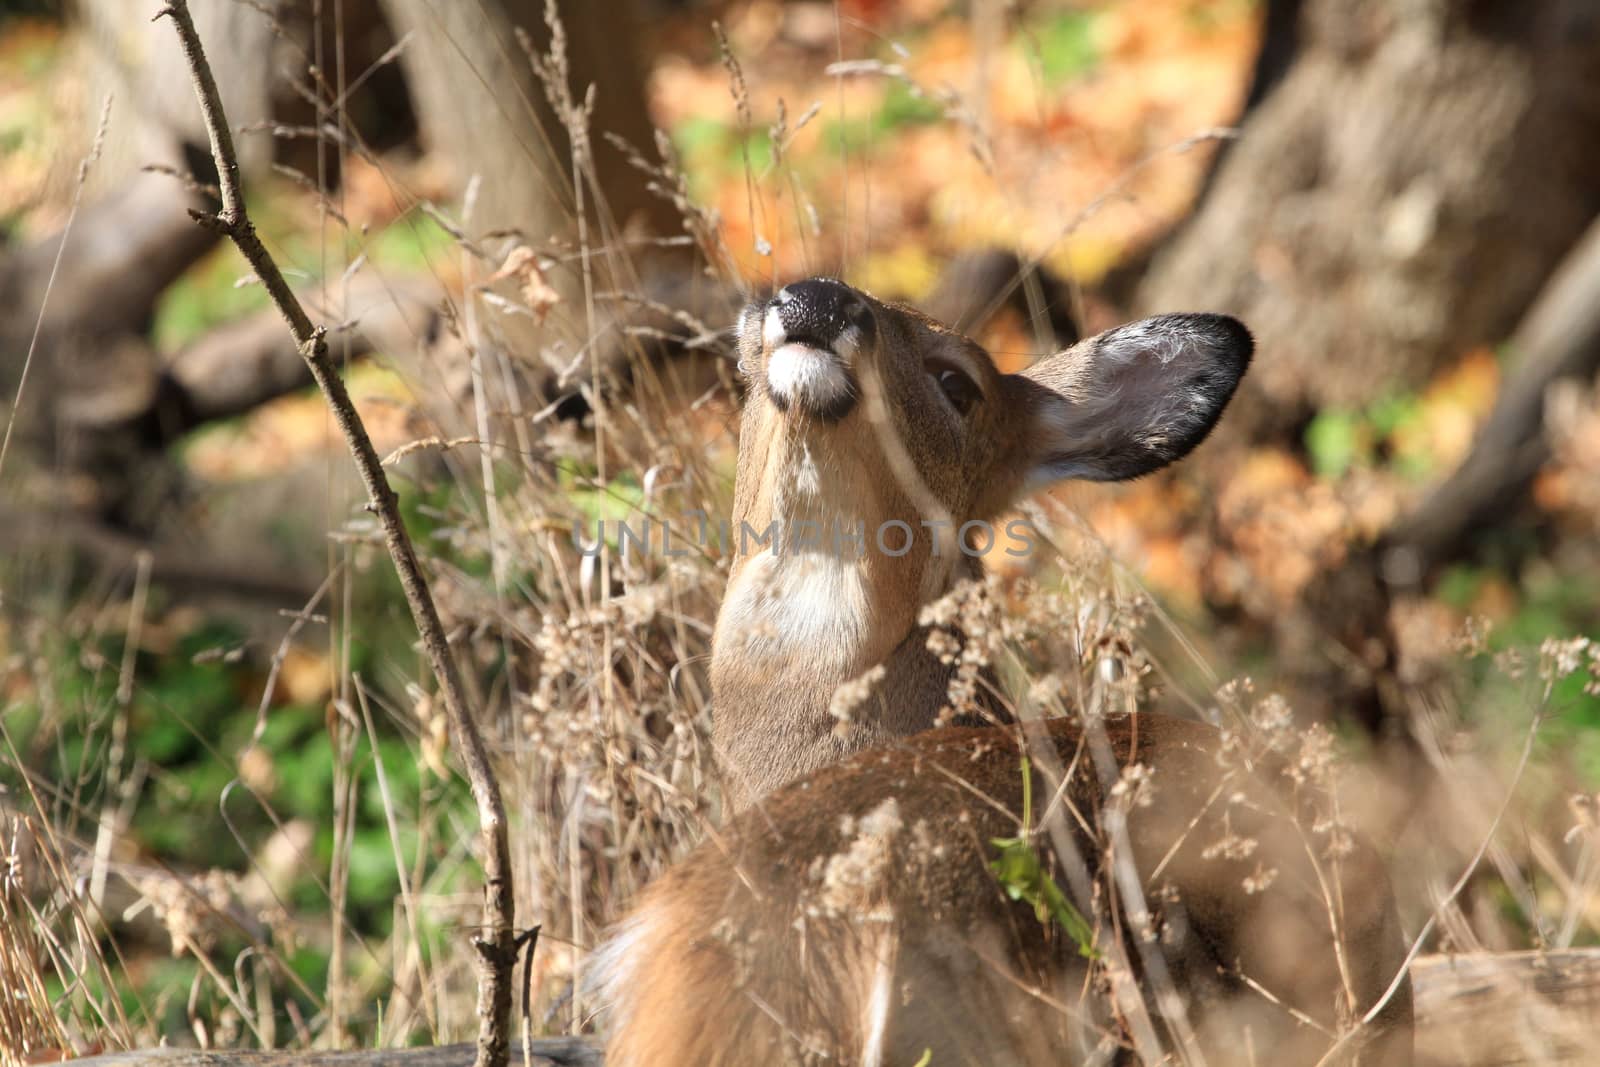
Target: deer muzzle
[811,334]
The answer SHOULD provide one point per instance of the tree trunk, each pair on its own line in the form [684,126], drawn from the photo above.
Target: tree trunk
[481,105]
[1399,197]
[1350,607]
[133,236]
[93,380]
[137,60]
[484,111]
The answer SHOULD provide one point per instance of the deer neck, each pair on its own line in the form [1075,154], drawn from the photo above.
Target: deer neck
[816,606]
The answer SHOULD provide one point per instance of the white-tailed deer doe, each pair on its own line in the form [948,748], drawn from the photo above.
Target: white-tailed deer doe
[855,915]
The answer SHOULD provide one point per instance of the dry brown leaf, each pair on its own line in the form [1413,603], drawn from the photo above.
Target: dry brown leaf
[537,293]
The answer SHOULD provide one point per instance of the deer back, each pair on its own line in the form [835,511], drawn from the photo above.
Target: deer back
[855,916]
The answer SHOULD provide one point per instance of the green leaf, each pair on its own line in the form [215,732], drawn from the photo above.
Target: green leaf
[1024,878]
[904,107]
[1334,440]
[1065,46]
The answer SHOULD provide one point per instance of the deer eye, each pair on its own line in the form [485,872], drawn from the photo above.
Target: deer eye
[962,392]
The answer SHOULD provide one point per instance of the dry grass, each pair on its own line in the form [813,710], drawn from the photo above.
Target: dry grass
[591,682]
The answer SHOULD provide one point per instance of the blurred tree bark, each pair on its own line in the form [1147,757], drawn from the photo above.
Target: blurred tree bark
[95,385]
[88,466]
[102,402]
[1350,607]
[485,111]
[1398,195]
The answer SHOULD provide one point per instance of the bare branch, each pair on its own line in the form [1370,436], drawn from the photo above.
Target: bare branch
[495,944]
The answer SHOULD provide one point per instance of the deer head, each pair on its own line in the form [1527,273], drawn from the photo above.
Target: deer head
[855,915]
[875,451]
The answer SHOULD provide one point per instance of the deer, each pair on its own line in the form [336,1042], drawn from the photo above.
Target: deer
[854,907]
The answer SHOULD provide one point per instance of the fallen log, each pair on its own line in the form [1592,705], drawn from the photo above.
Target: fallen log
[546,1051]
[1494,1009]
[1483,1010]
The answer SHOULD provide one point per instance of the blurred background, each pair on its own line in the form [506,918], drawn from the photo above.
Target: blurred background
[226,791]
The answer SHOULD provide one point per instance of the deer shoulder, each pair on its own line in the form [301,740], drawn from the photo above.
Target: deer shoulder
[860,909]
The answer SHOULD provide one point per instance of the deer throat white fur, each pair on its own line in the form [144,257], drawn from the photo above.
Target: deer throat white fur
[811,605]
[804,596]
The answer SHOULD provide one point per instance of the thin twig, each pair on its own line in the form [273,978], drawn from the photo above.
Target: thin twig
[495,943]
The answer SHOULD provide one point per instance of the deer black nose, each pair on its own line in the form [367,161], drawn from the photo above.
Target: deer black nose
[817,310]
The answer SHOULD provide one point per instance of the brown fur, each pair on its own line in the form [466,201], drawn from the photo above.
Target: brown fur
[772,722]
[744,967]
[1112,406]
[851,915]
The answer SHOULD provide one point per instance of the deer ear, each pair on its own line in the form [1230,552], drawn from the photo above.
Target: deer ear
[1128,401]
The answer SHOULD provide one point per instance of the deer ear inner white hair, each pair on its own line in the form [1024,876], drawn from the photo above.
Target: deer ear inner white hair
[1133,399]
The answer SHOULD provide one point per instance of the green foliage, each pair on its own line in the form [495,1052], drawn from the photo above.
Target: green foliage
[218,289]
[27,134]
[1548,604]
[1458,586]
[413,242]
[621,497]
[1063,45]
[13,137]
[159,993]
[713,149]
[904,107]
[1023,877]
[1554,605]
[698,135]
[210,294]
[620,501]
[1339,440]
[430,514]
[192,711]
[1333,440]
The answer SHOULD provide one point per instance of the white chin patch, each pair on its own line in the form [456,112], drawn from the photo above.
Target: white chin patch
[808,378]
